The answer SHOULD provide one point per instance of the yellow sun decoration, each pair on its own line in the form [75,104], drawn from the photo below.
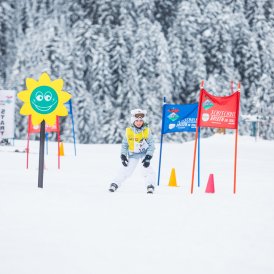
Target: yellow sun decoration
[44,99]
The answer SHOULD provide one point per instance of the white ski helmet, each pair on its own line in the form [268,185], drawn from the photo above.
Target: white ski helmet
[138,114]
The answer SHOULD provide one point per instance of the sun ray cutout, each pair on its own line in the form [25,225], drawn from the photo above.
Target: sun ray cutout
[44,99]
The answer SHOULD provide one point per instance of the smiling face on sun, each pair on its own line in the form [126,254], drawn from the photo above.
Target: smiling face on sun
[44,100]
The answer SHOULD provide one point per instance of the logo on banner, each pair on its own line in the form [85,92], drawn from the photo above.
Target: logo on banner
[187,122]
[8,100]
[205,117]
[207,104]
[173,116]
[171,126]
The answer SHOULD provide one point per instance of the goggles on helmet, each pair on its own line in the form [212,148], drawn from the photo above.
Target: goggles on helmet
[139,115]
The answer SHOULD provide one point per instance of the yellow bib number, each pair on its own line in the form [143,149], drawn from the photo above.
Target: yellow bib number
[137,141]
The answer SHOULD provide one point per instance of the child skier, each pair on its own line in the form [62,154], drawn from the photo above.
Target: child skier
[137,144]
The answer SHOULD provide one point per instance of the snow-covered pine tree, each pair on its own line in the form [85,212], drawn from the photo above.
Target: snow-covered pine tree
[85,36]
[75,13]
[247,63]
[187,59]
[7,38]
[32,59]
[42,28]
[161,83]
[148,51]
[145,9]
[188,63]
[127,88]
[97,12]
[165,13]
[202,4]
[268,7]
[40,12]
[103,76]
[120,40]
[119,54]
[264,36]
[217,46]
[103,86]
[178,69]
[128,18]
[109,12]
[24,17]
[251,10]
[60,54]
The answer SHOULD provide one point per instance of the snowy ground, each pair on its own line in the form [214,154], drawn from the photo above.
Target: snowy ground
[75,226]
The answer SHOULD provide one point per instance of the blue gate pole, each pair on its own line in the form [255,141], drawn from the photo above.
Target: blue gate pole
[161,143]
[72,120]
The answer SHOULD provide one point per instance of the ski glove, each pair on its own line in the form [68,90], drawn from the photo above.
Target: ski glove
[124,160]
[146,161]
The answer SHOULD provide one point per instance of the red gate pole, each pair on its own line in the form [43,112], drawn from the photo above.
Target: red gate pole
[28,141]
[236,142]
[196,137]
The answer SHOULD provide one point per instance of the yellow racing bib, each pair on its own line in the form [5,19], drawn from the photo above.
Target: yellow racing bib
[137,141]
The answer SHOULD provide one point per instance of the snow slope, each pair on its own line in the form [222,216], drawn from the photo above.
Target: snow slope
[75,226]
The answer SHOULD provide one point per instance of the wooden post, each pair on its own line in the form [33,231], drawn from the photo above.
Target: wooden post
[41,154]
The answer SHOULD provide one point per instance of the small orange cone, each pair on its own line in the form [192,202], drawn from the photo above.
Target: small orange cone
[61,149]
[172,179]
[210,184]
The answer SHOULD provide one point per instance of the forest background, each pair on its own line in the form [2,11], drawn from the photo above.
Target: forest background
[117,55]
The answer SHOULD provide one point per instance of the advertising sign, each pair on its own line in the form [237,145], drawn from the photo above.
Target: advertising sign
[7,105]
[219,112]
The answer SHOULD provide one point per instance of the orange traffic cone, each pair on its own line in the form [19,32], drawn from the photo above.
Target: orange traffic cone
[172,179]
[61,149]
[210,184]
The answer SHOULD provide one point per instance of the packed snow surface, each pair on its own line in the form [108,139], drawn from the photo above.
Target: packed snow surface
[75,226]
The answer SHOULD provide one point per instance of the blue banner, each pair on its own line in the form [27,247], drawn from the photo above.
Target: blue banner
[179,118]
